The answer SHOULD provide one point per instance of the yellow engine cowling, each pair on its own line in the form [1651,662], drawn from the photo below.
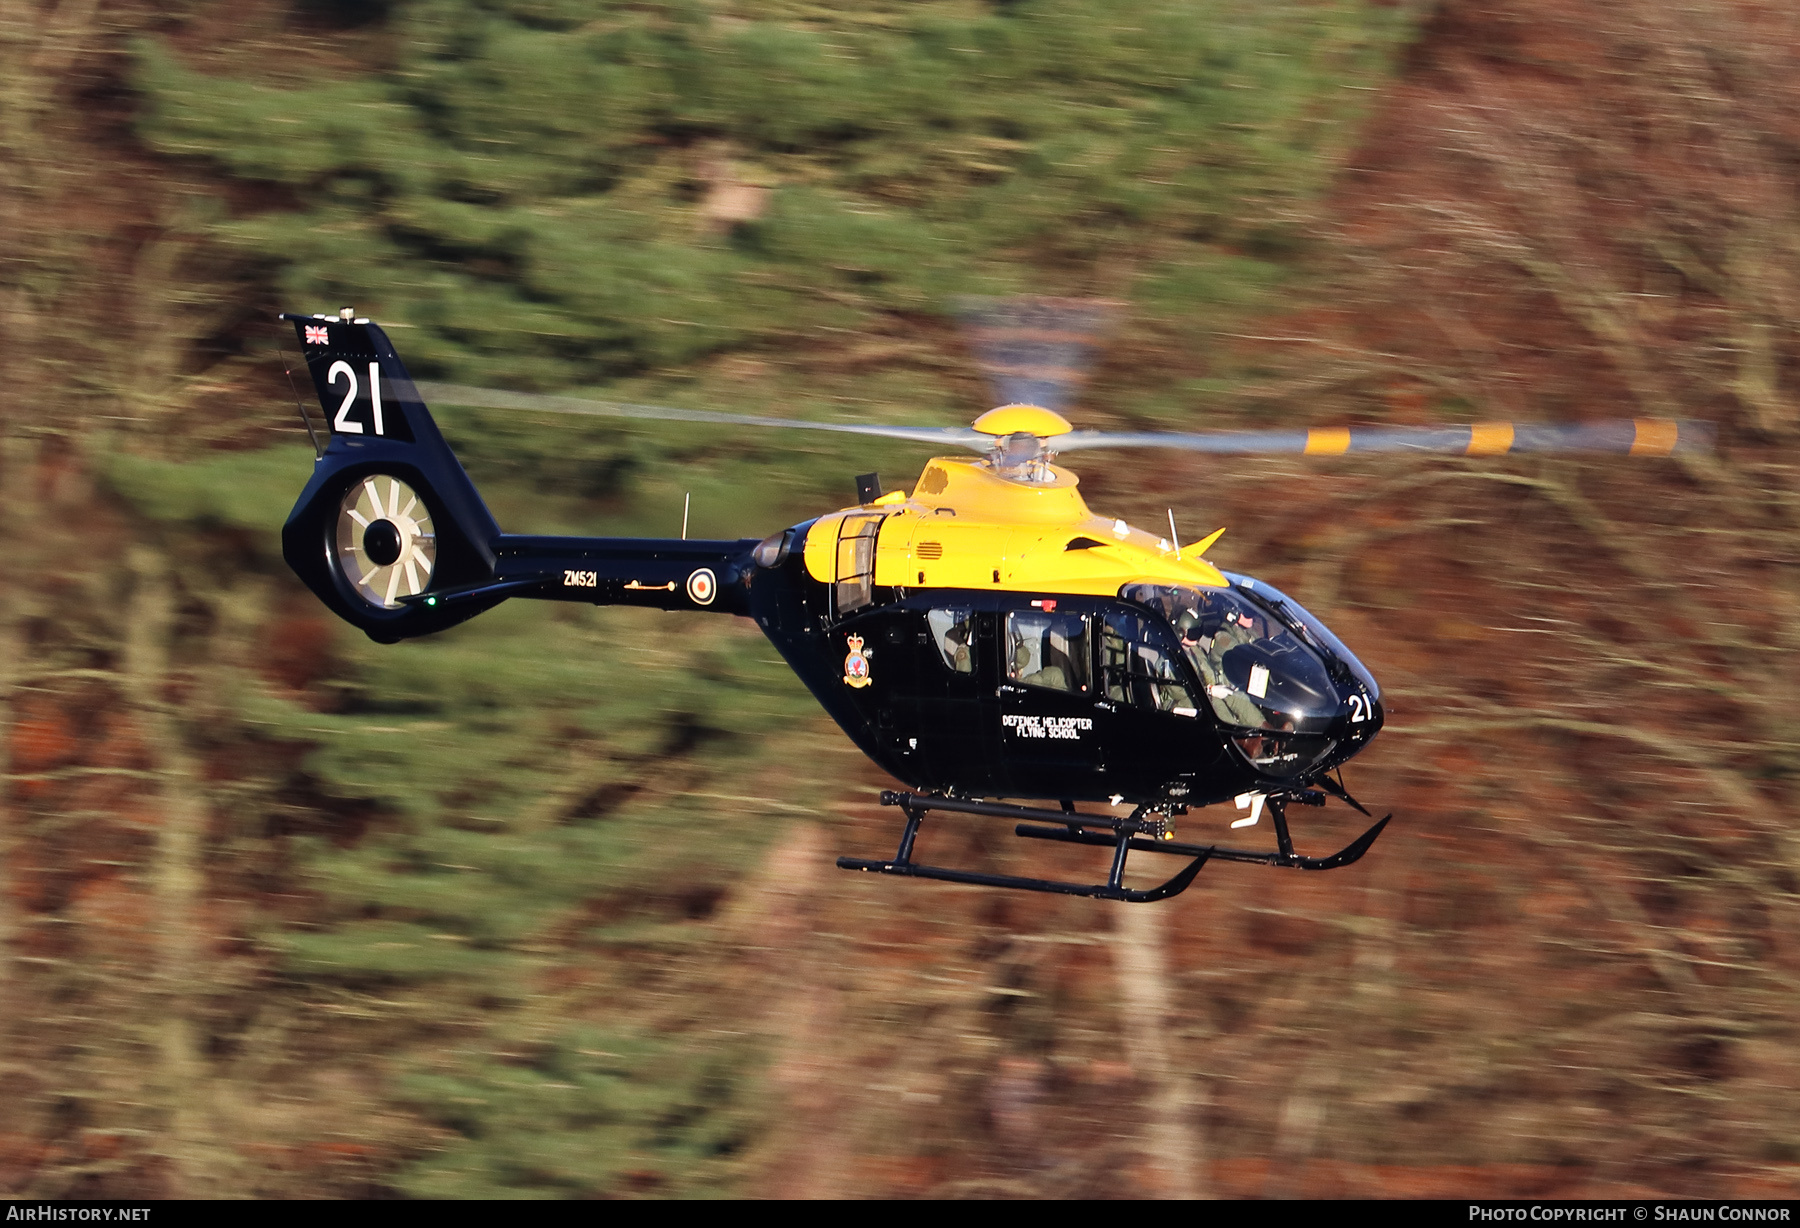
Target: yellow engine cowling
[964,526]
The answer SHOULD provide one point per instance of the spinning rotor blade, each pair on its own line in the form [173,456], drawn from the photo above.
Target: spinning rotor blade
[1034,350]
[1623,436]
[1620,436]
[494,398]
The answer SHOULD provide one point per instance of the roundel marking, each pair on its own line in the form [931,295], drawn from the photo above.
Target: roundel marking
[702,586]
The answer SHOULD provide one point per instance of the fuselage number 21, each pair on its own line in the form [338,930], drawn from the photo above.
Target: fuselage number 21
[342,422]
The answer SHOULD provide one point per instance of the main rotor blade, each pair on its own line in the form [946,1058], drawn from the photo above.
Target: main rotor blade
[495,398]
[1620,436]
[1623,436]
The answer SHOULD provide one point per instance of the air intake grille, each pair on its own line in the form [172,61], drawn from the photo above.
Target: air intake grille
[929,550]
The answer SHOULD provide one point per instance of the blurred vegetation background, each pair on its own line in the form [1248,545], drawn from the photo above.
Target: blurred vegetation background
[543,906]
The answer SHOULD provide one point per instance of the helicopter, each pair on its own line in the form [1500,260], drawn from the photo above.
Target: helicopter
[984,637]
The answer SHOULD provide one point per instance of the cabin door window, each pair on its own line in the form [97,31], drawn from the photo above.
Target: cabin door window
[953,631]
[1049,740]
[855,587]
[1047,650]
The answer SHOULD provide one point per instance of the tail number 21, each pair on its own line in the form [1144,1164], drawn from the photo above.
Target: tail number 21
[342,422]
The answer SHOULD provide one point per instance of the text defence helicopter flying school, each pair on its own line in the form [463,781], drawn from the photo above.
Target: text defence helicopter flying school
[983,636]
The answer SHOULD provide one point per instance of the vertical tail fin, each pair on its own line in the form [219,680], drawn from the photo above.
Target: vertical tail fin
[389,510]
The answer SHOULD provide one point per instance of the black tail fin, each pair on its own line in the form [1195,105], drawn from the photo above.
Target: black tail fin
[389,510]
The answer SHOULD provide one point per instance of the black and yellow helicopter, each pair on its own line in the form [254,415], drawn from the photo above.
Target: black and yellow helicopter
[981,636]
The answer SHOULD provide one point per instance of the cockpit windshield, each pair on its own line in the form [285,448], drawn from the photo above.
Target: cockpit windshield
[1256,668]
[1321,634]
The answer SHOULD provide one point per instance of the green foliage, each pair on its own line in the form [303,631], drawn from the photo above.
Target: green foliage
[589,1113]
[526,184]
[500,786]
[240,490]
[500,757]
[494,803]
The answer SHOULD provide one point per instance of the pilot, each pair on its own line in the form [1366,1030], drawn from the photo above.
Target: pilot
[1166,689]
[953,631]
[1050,675]
[1228,629]
[956,647]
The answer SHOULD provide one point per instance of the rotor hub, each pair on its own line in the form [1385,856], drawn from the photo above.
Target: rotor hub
[381,543]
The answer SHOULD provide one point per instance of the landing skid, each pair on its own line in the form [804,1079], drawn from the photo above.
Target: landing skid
[1123,836]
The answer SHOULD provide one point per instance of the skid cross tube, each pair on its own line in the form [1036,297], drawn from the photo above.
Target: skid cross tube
[1002,810]
[1124,839]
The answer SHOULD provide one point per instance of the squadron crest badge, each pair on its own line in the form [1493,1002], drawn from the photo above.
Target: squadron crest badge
[856,665]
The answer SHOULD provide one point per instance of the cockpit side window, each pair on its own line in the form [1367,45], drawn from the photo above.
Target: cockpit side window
[953,631]
[1137,670]
[1048,650]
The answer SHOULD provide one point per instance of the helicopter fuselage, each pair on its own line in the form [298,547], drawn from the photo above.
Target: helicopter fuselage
[966,724]
[1030,656]
[982,635]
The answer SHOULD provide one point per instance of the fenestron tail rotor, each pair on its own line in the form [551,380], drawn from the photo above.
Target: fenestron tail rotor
[385,544]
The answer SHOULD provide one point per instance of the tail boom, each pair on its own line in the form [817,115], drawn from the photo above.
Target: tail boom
[393,537]
[659,573]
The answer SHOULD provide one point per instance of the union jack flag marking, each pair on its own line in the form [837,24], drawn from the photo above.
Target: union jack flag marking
[319,335]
